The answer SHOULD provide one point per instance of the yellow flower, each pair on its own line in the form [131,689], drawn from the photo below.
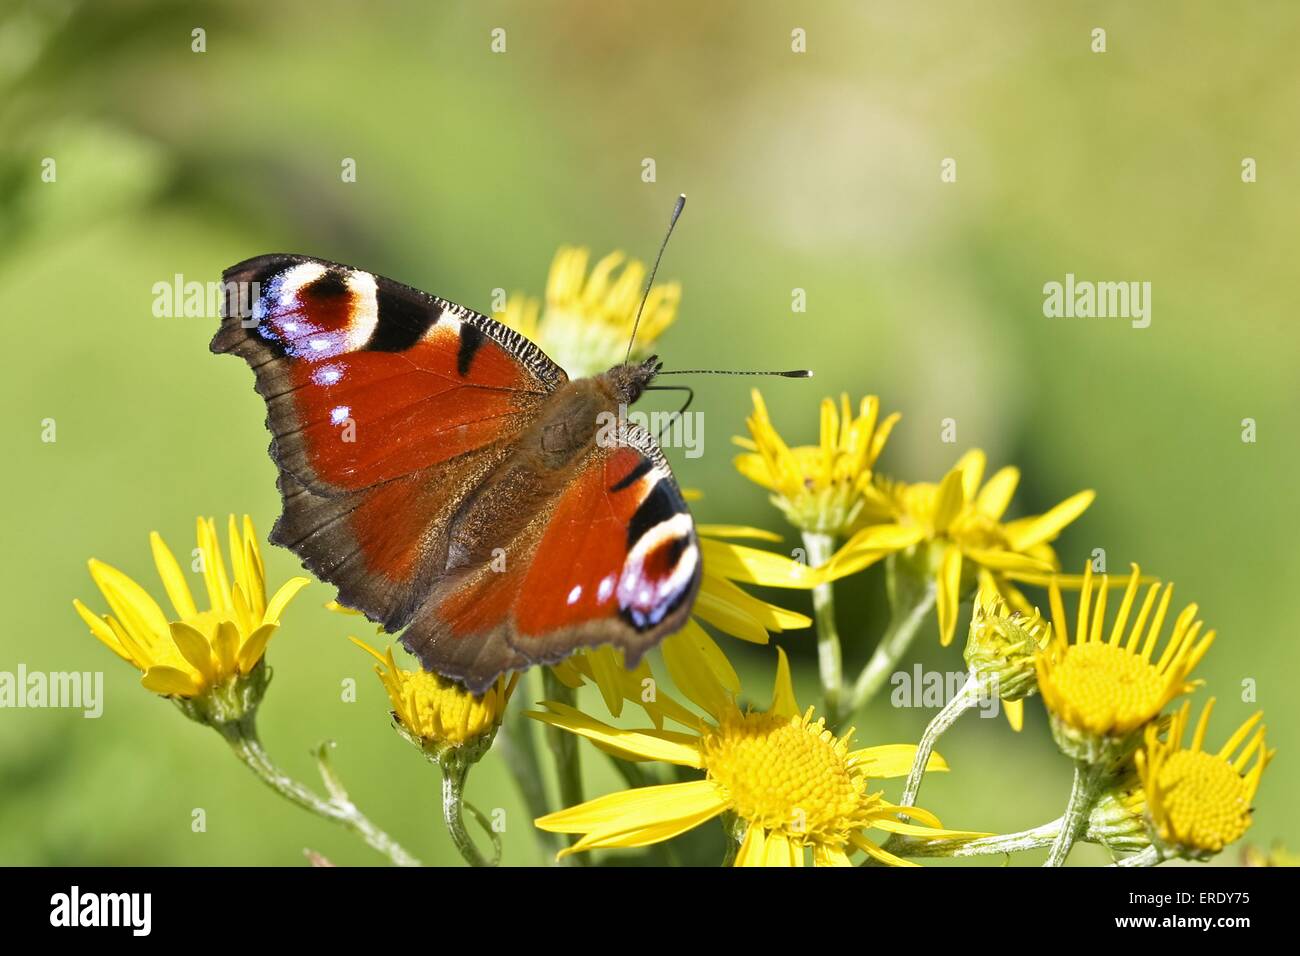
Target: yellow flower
[194,652]
[818,487]
[1199,802]
[1000,648]
[955,531]
[1101,688]
[790,783]
[691,654]
[1118,819]
[588,319]
[438,713]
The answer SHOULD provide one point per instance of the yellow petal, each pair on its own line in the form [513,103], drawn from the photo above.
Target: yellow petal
[754,566]
[100,628]
[824,854]
[995,497]
[772,617]
[872,850]
[912,829]
[844,564]
[568,673]
[948,500]
[173,580]
[736,531]
[130,604]
[893,760]
[238,567]
[886,538]
[194,647]
[753,848]
[1015,711]
[643,835]
[1027,532]
[282,597]
[779,851]
[225,646]
[607,670]
[717,605]
[631,809]
[255,647]
[948,599]
[383,660]
[971,465]
[693,662]
[783,699]
[214,565]
[666,745]
[255,585]
[169,682]
[1008,561]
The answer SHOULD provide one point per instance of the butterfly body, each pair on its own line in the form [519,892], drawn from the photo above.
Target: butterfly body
[451,480]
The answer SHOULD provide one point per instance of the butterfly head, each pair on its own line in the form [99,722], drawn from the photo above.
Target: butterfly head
[629,381]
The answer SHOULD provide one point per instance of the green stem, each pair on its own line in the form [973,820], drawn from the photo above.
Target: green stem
[1148,857]
[242,737]
[453,804]
[564,749]
[907,612]
[1031,839]
[970,694]
[1088,780]
[821,547]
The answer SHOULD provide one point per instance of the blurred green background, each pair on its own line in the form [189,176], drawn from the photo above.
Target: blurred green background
[817,171]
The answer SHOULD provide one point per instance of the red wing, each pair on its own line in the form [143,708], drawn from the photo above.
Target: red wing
[367,380]
[386,406]
[615,561]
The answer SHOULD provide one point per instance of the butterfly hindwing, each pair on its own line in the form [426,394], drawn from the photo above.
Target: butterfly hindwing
[612,559]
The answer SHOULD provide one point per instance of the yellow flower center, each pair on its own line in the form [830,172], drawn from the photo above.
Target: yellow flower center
[440,710]
[1204,802]
[786,774]
[1106,689]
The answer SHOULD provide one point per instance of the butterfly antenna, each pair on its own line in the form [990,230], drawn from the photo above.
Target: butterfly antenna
[677,211]
[792,373]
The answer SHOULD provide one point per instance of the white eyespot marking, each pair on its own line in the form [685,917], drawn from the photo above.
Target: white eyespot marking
[605,589]
[647,594]
[326,375]
[339,414]
[575,594]
[320,345]
[292,281]
[365,309]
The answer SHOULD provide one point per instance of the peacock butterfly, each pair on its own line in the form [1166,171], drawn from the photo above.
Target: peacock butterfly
[448,477]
